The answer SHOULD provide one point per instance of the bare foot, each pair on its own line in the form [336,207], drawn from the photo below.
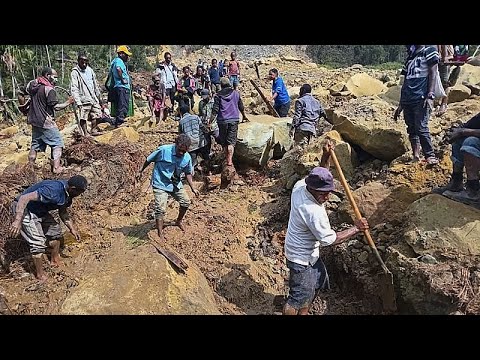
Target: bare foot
[180,225]
[58,170]
[56,262]
[42,278]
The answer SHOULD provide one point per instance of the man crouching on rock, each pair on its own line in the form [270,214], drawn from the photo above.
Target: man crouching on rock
[170,162]
[34,221]
[308,229]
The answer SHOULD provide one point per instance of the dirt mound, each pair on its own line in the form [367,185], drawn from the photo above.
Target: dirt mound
[108,169]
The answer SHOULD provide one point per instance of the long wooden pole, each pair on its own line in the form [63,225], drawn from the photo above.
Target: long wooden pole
[358,215]
[269,105]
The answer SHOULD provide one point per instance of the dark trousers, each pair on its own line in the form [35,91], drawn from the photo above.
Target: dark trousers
[203,151]
[282,110]
[171,94]
[122,98]
[416,117]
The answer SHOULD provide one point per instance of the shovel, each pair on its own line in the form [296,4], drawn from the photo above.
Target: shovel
[387,291]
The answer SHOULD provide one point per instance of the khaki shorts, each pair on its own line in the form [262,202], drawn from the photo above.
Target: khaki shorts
[161,197]
[90,111]
[39,231]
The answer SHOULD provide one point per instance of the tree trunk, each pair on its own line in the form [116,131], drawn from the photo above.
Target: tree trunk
[63,66]
[1,85]
[13,86]
[48,57]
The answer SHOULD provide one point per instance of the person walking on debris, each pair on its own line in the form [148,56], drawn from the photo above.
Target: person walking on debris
[308,229]
[171,161]
[308,111]
[41,116]
[156,96]
[234,70]
[465,142]
[280,97]
[34,221]
[205,108]
[122,86]
[227,106]
[193,127]
[86,92]
[186,88]
[169,74]
[416,99]
[214,73]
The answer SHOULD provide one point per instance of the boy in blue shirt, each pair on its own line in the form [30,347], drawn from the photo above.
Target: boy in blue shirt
[170,162]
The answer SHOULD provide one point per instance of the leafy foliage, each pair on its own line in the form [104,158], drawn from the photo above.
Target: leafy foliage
[30,59]
[347,55]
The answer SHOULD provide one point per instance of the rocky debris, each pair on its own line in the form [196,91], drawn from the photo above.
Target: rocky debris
[261,139]
[9,131]
[392,95]
[475,89]
[470,74]
[115,136]
[429,231]
[298,162]
[367,122]
[458,93]
[144,284]
[377,203]
[363,84]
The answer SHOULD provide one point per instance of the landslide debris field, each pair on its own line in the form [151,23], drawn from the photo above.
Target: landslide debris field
[234,236]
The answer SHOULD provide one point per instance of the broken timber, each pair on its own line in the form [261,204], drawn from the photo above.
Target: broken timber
[269,105]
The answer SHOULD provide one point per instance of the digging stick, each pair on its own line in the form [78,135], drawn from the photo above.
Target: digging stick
[386,281]
[269,105]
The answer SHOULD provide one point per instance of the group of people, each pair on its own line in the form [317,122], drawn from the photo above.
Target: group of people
[219,116]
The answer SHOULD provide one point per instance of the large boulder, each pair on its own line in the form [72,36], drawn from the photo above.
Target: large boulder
[262,139]
[298,162]
[362,84]
[144,283]
[121,134]
[458,93]
[470,74]
[430,231]
[377,202]
[392,95]
[368,123]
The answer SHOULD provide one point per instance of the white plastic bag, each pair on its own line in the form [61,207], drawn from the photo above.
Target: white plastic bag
[439,90]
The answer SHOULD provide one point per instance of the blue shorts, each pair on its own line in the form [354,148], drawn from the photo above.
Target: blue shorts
[304,282]
[43,137]
[234,80]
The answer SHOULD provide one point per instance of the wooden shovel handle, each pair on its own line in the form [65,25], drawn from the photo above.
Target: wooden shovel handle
[358,215]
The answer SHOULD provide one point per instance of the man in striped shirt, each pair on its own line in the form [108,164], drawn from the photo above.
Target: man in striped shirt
[416,99]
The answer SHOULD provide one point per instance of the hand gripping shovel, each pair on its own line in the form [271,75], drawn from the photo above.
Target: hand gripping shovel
[387,291]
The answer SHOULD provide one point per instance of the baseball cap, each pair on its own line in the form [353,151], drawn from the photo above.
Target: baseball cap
[320,179]
[204,93]
[125,49]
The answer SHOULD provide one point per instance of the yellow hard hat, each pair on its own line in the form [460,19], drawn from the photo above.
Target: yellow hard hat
[125,49]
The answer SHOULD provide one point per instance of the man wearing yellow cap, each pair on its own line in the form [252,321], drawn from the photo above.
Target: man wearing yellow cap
[122,84]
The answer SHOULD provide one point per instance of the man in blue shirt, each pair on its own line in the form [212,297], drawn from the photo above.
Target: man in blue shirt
[170,162]
[34,221]
[122,84]
[279,94]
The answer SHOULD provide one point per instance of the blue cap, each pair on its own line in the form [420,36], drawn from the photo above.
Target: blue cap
[320,179]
